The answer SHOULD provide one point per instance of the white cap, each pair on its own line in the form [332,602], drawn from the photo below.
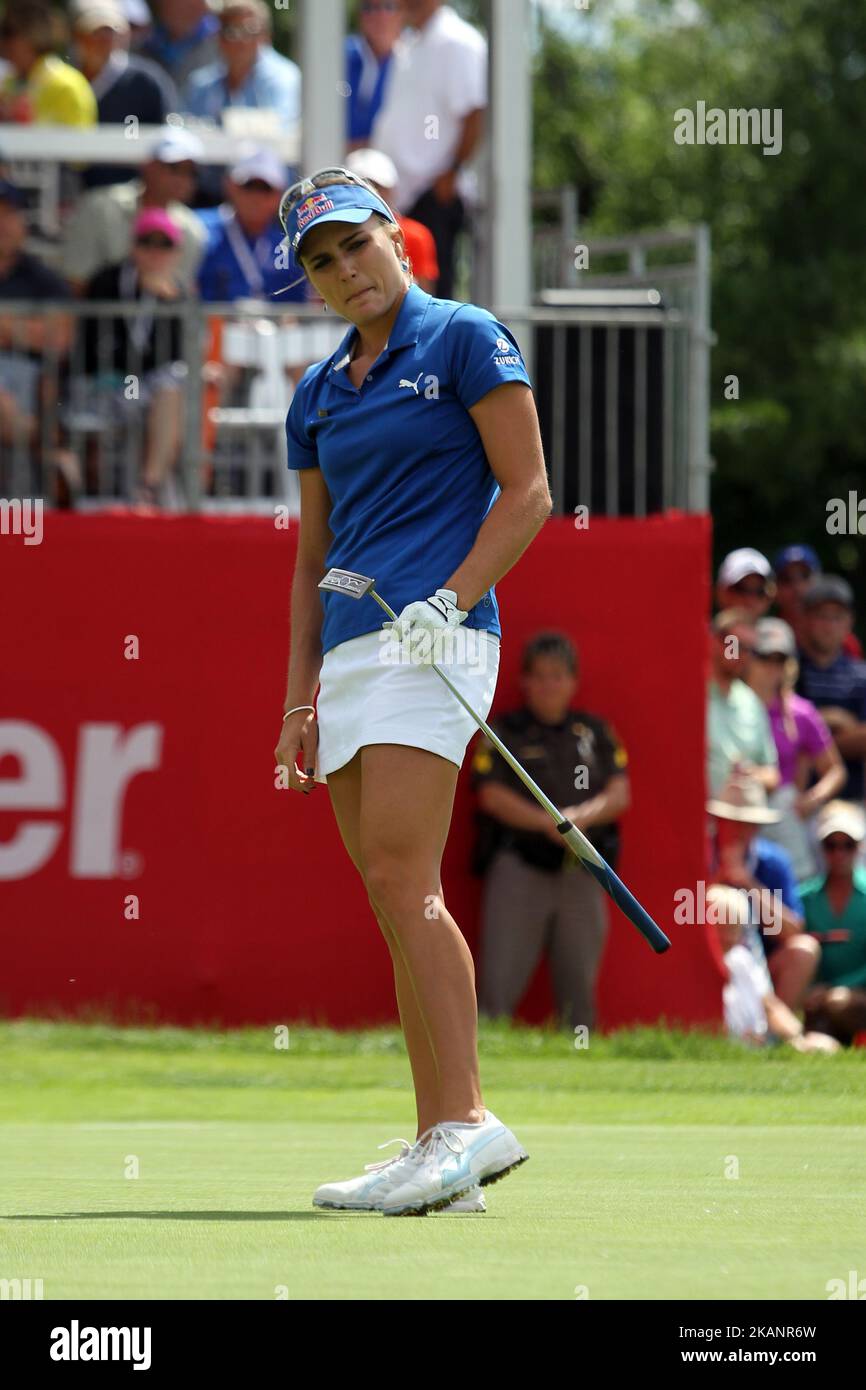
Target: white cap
[260,164]
[739,563]
[841,818]
[89,15]
[374,165]
[177,145]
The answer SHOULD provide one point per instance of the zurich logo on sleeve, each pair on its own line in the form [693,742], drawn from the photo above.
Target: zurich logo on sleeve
[505,355]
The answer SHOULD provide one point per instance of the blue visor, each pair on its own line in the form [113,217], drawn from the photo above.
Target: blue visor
[341,202]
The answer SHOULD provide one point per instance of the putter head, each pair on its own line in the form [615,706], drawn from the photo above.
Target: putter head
[347,582]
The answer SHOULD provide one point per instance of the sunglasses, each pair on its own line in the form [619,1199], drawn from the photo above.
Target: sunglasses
[832,846]
[155,242]
[235,32]
[304,187]
[753,590]
[777,658]
[257,186]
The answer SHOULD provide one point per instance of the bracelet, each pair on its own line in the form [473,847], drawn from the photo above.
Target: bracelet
[295,710]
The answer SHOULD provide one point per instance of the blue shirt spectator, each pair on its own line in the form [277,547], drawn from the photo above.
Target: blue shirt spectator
[365,77]
[183,39]
[244,256]
[830,678]
[249,72]
[368,64]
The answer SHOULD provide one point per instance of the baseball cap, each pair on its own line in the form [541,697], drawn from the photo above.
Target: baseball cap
[259,164]
[10,193]
[773,635]
[739,563]
[374,165]
[157,220]
[100,14]
[797,555]
[841,818]
[341,202]
[176,146]
[829,588]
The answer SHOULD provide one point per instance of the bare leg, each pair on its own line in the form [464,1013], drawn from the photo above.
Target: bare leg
[407,795]
[164,425]
[344,788]
[792,967]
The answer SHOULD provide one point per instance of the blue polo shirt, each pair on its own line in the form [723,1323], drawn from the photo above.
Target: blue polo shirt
[402,458]
[842,683]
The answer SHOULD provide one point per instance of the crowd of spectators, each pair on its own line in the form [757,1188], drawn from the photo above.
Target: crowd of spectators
[786,724]
[187,66]
[786,742]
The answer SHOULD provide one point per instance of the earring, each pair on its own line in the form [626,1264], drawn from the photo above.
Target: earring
[324,308]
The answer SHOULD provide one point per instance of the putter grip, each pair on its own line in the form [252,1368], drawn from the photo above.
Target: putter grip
[628,904]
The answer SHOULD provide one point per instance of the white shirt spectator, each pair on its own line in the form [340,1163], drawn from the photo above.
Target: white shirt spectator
[744,994]
[438,75]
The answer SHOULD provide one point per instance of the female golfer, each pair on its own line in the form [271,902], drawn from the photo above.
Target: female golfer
[420,466]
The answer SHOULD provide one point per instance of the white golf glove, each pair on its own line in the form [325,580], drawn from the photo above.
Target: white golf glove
[429,615]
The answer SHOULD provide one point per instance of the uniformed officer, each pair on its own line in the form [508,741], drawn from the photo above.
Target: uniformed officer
[536,896]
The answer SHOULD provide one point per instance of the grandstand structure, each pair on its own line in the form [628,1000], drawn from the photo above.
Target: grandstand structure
[617,341]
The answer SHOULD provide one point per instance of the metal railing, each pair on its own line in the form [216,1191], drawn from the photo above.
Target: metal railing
[619,375]
[184,404]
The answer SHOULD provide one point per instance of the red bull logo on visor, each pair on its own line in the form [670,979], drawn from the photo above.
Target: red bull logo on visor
[312,207]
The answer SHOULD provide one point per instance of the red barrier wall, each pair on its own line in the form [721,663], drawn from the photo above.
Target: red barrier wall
[250,909]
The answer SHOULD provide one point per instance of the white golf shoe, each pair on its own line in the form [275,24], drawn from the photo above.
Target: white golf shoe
[471,1201]
[449,1161]
[364,1193]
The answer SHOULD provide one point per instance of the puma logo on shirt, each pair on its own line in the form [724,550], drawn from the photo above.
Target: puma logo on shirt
[412,384]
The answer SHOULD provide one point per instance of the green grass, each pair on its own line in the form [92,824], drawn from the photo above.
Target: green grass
[626,1192]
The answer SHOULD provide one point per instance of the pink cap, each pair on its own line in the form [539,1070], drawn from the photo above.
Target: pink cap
[157,220]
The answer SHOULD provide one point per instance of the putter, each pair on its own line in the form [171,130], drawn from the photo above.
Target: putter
[353,585]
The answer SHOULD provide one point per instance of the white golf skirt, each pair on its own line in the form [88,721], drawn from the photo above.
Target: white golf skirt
[371,691]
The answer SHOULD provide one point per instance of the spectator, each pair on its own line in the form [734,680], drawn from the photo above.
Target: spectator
[248,72]
[745,580]
[140,21]
[803,742]
[744,859]
[146,347]
[368,63]
[124,86]
[183,39]
[25,343]
[739,737]
[753,1013]
[42,87]
[99,232]
[381,172]
[830,678]
[243,257]
[795,567]
[835,906]
[439,71]
[536,896]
